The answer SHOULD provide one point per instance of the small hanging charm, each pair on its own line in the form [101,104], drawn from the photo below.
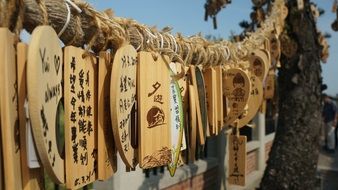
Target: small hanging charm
[237,158]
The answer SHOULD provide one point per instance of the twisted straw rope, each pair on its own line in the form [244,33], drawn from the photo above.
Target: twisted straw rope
[101,31]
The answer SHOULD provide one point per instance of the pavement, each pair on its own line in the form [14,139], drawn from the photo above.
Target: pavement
[328,170]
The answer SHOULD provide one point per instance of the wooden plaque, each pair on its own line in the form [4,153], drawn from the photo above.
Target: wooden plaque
[255,101]
[275,47]
[2,184]
[44,87]
[153,111]
[184,85]
[219,98]
[237,87]
[285,12]
[202,102]
[80,83]
[200,122]
[259,64]
[237,160]
[193,124]
[9,114]
[122,99]
[269,88]
[32,179]
[106,151]
[176,122]
[209,75]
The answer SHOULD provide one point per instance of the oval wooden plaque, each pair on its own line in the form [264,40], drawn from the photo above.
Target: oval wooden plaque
[122,100]
[259,64]
[275,50]
[255,101]
[237,87]
[269,88]
[44,85]
[106,150]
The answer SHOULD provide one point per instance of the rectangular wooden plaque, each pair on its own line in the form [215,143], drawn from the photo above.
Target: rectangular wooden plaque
[1,167]
[154,115]
[9,112]
[209,75]
[80,86]
[237,160]
[219,98]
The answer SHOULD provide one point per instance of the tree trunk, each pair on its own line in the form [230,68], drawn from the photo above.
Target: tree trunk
[293,158]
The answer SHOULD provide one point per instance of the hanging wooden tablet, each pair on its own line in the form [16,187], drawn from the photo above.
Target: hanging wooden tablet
[153,111]
[209,75]
[269,88]
[106,151]
[202,101]
[200,121]
[184,85]
[255,101]
[176,121]
[285,12]
[219,98]
[237,87]
[31,178]
[184,88]
[193,124]
[237,160]
[44,85]
[275,49]
[9,114]
[259,64]
[2,185]
[123,86]
[80,83]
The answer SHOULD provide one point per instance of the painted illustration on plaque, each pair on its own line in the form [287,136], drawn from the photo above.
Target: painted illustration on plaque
[257,68]
[155,117]
[238,93]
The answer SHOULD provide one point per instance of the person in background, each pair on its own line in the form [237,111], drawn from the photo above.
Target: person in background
[330,121]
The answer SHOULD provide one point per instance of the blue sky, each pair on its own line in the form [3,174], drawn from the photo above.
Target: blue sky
[187,17]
